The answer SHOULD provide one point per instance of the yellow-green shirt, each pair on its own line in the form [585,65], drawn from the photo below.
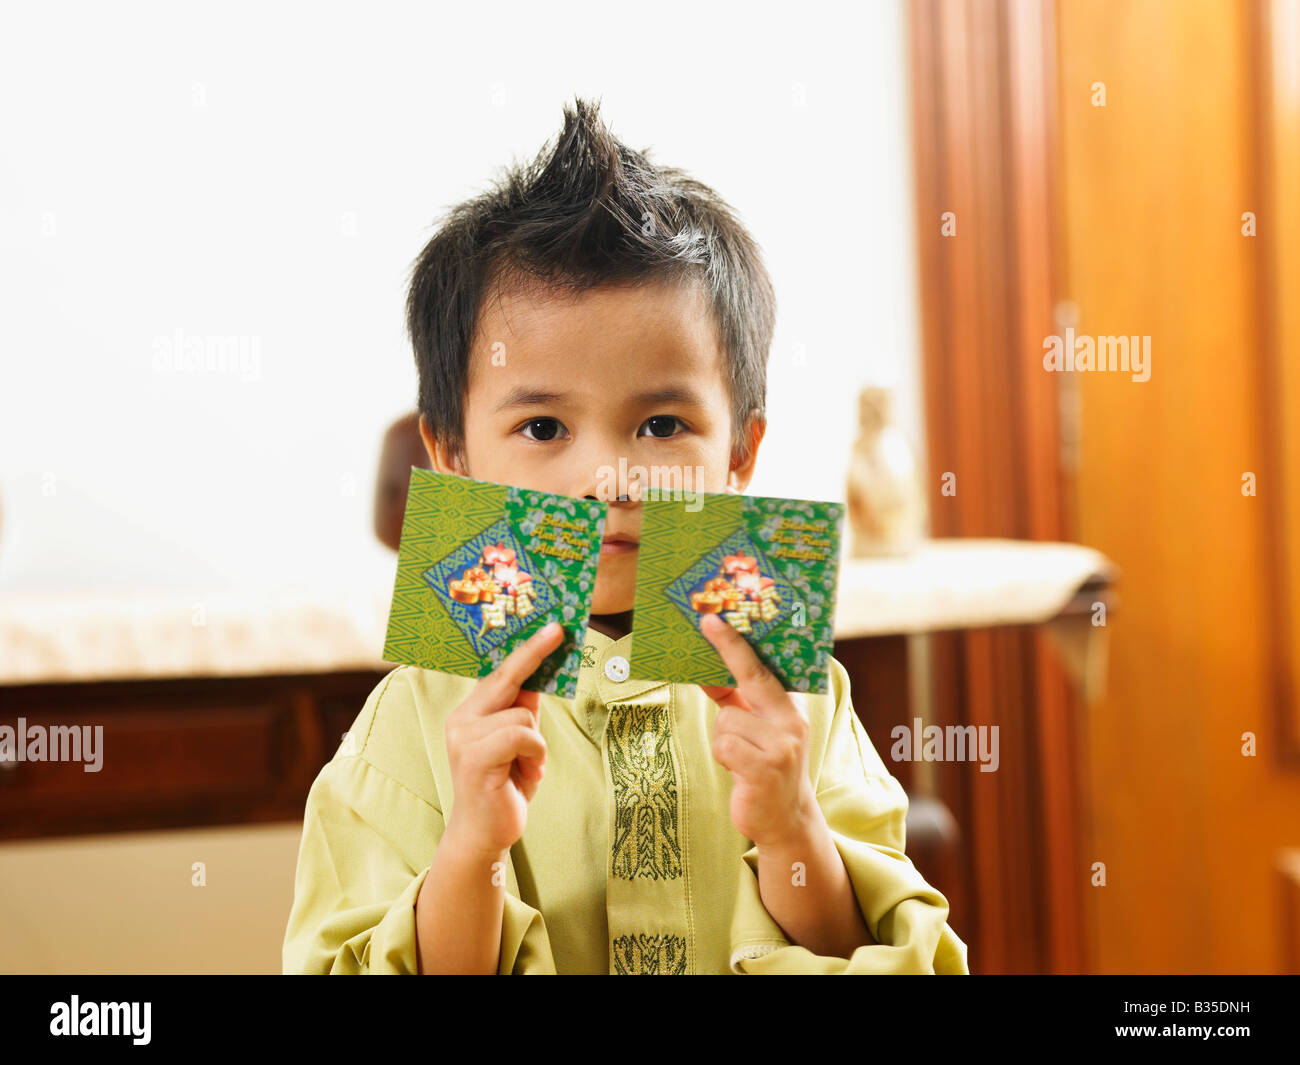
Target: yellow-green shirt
[629,862]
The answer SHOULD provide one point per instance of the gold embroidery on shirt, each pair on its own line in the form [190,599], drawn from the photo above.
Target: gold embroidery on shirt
[645,794]
[649,955]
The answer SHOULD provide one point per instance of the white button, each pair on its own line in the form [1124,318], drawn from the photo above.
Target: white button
[616,669]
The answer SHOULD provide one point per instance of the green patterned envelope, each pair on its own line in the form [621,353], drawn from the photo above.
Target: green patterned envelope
[482,567]
[768,567]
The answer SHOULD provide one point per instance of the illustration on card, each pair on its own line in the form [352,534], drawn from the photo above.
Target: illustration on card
[738,583]
[489,588]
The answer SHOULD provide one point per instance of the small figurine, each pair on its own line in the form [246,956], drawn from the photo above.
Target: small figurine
[886,502]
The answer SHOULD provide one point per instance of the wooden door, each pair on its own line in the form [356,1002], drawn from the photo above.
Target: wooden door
[1195,130]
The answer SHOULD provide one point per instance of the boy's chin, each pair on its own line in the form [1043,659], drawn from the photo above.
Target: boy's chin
[616,604]
[615,600]
[615,590]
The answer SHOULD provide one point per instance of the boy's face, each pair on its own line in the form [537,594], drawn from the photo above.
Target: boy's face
[561,388]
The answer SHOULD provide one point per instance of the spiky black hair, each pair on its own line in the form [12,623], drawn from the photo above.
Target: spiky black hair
[586,211]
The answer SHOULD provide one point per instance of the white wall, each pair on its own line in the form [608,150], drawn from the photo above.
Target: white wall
[268,172]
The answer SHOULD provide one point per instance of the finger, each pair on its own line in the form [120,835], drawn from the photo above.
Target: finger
[729,697]
[526,784]
[526,769]
[532,701]
[529,783]
[507,744]
[531,767]
[736,754]
[478,727]
[721,696]
[764,733]
[754,680]
[500,688]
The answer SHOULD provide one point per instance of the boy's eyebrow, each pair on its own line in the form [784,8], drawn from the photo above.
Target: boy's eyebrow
[519,396]
[668,395]
[522,396]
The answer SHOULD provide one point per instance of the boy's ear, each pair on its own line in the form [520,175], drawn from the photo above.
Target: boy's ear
[742,469]
[441,458]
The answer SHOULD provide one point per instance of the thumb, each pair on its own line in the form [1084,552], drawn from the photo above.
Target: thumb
[724,696]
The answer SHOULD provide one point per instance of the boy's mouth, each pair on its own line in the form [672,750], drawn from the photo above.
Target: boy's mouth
[618,544]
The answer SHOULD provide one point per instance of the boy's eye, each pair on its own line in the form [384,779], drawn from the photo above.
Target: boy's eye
[661,425]
[542,428]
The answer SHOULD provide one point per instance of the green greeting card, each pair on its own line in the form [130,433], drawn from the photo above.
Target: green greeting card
[768,567]
[483,566]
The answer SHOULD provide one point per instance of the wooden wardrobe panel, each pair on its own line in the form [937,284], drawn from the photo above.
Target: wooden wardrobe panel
[1155,184]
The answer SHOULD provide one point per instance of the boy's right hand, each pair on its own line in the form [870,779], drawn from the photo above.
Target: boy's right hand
[496,750]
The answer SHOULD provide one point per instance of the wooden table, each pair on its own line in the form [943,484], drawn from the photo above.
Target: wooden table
[888,607]
[218,723]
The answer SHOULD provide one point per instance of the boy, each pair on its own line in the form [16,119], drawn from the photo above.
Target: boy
[595,307]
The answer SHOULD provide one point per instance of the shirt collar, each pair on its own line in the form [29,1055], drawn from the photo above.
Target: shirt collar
[608,660]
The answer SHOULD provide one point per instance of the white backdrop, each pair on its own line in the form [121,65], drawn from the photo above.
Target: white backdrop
[256,179]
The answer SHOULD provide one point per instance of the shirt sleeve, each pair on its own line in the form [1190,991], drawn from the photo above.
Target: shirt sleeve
[866,810]
[367,844]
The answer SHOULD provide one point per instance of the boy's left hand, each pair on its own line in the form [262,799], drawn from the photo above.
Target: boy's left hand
[761,737]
